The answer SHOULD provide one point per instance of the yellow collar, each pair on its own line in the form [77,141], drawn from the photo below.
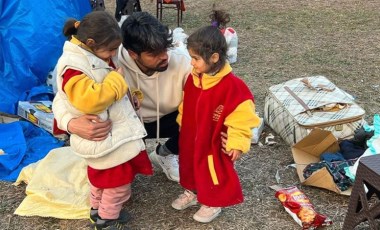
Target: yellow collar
[208,81]
[75,41]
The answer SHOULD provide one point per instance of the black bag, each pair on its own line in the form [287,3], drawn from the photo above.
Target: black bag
[126,7]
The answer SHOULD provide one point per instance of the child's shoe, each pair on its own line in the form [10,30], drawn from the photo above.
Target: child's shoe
[109,225]
[206,214]
[185,200]
[124,216]
[93,215]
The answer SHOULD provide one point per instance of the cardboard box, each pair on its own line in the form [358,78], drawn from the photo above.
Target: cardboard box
[8,118]
[40,114]
[308,150]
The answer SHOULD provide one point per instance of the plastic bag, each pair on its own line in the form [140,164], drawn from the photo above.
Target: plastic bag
[298,205]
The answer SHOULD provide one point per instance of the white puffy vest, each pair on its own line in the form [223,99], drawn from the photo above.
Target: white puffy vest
[125,140]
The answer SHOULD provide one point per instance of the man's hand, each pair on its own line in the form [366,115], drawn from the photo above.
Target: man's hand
[90,127]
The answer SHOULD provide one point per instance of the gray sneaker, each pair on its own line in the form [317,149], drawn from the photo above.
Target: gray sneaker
[169,164]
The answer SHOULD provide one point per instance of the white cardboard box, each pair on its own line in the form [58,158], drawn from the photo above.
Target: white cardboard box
[40,114]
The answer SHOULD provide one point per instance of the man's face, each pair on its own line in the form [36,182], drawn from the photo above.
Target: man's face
[152,62]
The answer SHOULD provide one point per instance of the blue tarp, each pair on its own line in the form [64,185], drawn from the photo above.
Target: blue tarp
[23,143]
[31,42]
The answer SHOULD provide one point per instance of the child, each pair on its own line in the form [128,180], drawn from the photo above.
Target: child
[214,101]
[89,83]
[219,19]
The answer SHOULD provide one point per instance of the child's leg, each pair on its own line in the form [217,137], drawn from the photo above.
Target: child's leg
[95,196]
[112,201]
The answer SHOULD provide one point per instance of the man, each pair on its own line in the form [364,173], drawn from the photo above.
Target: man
[151,65]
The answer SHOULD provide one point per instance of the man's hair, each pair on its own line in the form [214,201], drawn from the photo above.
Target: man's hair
[142,32]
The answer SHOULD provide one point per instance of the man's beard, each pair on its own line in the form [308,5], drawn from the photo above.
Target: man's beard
[158,68]
[161,68]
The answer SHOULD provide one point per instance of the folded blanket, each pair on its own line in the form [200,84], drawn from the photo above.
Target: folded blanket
[57,186]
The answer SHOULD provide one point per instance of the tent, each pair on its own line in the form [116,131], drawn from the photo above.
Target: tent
[31,41]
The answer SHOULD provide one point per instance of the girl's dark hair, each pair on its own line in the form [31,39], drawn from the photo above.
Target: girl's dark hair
[205,42]
[97,25]
[142,32]
[219,18]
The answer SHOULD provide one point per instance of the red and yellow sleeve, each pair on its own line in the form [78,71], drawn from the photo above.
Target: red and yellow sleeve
[91,97]
[240,124]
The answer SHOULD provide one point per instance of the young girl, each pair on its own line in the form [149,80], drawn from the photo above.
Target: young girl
[220,19]
[89,83]
[215,101]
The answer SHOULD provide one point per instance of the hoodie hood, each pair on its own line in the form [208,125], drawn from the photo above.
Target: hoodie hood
[162,90]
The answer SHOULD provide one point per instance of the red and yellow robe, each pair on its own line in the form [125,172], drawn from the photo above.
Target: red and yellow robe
[213,104]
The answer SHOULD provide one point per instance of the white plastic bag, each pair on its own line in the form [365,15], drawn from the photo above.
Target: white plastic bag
[256,132]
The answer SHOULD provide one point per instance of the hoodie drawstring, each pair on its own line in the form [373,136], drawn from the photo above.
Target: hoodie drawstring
[157,108]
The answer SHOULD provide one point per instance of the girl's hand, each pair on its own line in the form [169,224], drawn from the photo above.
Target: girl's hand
[234,154]
[120,71]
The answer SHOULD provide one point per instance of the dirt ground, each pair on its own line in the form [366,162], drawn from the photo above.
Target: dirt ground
[278,40]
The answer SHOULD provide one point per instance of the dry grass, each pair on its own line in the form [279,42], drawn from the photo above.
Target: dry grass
[278,40]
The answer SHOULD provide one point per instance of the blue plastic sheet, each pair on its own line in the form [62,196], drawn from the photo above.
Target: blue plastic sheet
[31,42]
[23,143]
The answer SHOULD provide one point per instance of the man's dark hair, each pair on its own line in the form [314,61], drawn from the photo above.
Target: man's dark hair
[142,32]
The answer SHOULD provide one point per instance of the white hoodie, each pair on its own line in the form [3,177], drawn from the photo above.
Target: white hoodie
[163,90]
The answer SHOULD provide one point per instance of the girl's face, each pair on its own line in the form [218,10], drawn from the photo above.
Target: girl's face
[106,52]
[200,66]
